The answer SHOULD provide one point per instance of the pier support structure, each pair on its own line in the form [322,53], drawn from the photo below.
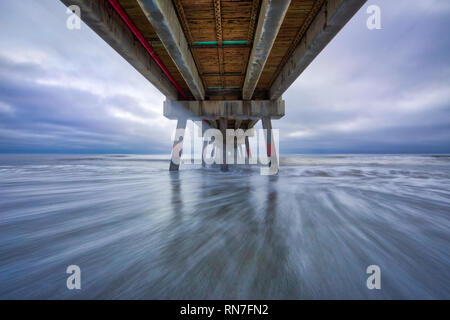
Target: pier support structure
[224,115]
[177,148]
[171,45]
[247,150]
[270,145]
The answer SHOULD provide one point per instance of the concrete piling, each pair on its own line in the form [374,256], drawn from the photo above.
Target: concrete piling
[177,147]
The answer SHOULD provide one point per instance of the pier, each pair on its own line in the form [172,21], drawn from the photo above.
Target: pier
[226,63]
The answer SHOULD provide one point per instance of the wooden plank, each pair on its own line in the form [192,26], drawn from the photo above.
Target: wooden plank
[235,18]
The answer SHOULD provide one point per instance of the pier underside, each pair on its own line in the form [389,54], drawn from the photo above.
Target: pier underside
[224,62]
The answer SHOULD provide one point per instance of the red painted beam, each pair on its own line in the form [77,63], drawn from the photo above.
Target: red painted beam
[121,12]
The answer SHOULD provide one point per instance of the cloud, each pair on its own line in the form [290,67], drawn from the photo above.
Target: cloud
[6,108]
[67,117]
[67,91]
[374,92]
[368,91]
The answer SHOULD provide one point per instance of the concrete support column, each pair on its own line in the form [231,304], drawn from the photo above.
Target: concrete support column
[247,149]
[223,128]
[205,145]
[177,148]
[270,142]
[235,146]
[241,153]
[213,152]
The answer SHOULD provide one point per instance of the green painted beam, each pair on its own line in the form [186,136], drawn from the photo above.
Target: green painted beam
[199,43]
[235,42]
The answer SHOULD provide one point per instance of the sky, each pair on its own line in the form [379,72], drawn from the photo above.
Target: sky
[368,91]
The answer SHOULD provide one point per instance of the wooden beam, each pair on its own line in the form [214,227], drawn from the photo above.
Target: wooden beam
[219,37]
[270,19]
[225,74]
[223,92]
[223,46]
[218,18]
[331,18]
[235,92]
[164,20]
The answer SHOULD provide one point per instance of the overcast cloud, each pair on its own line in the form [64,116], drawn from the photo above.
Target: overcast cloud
[382,91]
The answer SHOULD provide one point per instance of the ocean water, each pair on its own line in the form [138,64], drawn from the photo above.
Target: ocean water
[138,231]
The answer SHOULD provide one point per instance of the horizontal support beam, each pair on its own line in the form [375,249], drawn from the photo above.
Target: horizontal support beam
[164,20]
[269,22]
[223,92]
[232,109]
[331,18]
[104,21]
[225,74]
[234,92]
[232,42]
[224,46]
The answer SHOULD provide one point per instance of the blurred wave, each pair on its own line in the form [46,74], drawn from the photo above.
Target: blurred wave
[139,231]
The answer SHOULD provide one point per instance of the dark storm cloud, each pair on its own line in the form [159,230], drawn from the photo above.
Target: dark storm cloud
[48,118]
[382,90]
[66,91]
